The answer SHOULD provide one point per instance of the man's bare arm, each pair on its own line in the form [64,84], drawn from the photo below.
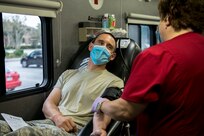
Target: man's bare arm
[51,111]
[100,123]
[50,106]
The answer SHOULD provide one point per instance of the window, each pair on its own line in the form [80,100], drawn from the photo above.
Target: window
[142,28]
[23,48]
[133,33]
[158,37]
[25,33]
[144,35]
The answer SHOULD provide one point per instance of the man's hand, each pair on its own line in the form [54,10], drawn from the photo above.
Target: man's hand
[65,123]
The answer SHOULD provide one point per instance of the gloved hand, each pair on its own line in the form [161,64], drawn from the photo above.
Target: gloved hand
[97,104]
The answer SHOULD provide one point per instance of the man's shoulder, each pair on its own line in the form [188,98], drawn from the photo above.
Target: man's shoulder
[109,74]
[114,80]
[69,71]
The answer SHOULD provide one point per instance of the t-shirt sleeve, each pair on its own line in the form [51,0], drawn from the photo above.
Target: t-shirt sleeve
[62,79]
[117,83]
[146,75]
[113,80]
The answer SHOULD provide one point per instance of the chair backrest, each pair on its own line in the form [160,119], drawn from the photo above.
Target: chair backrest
[78,58]
[126,52]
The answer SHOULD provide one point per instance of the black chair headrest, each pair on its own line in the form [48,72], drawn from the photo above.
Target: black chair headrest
[126,52]
[80,55]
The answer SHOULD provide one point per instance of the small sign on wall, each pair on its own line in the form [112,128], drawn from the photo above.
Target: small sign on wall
[96,4]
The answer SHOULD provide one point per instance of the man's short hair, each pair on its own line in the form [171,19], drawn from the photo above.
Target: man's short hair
[108,34]
[103,33]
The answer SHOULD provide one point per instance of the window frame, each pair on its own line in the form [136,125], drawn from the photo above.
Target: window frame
[2,57]
[47,50]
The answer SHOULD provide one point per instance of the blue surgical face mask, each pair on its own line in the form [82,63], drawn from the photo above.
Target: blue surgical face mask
[99,55]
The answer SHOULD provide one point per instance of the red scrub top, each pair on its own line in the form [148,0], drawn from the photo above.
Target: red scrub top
[170,78]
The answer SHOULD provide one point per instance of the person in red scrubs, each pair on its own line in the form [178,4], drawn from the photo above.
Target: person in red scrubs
[165,90]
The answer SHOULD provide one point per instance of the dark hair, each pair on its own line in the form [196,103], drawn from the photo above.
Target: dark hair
[104,33]
[108,34]
[183,14]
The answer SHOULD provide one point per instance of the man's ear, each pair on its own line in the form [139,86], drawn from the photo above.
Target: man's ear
[90,46]
[112,57]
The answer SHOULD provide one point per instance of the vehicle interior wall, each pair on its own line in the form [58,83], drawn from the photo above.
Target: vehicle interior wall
[66,43]
[78,11]
[26,107]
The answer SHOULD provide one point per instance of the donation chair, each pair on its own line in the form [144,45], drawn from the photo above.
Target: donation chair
[126,51]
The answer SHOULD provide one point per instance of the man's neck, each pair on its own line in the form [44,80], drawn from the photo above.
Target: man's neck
[92,66]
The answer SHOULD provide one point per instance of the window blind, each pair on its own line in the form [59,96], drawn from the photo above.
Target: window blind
[45,8]
[133,18]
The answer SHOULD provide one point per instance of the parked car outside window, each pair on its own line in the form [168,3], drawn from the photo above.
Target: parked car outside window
[12,79]
[34,58]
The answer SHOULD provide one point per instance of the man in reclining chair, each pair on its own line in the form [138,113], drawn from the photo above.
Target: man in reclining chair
[68,107]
